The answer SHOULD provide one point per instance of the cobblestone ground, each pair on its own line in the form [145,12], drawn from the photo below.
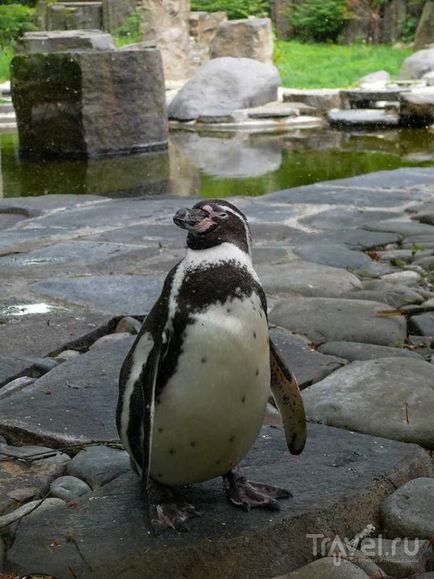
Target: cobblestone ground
[348,267]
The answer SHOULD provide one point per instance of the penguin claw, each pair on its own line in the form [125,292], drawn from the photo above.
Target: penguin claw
[248,494]
[173,516]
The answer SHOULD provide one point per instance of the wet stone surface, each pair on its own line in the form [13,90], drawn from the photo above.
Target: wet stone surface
[347,269]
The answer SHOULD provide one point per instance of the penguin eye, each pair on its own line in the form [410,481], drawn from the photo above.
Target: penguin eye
[222,215]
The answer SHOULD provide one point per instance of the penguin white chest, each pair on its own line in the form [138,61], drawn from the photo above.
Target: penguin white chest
[212,408]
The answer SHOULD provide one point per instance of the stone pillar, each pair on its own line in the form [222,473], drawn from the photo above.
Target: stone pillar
[89,104]
[165,23]
[246,38]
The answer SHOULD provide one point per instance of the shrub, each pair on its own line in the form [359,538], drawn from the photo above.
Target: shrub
[233,8]
[318,20]
[129,32]
[14,21]
[407,28]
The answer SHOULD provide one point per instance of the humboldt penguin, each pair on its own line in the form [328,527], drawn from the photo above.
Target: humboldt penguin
[195,384]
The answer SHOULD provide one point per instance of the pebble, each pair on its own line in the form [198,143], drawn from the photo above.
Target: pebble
[409,511]
[67,355]
[129,325]
[68,488]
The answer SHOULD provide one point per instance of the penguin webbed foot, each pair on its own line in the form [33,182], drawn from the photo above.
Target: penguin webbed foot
[248,494]
[167,510]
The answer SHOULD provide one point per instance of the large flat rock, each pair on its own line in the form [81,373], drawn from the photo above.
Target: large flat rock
[74,403]
[302,278]
[335,319]
[116,294]
[338,484]
[41,334]
[390,397]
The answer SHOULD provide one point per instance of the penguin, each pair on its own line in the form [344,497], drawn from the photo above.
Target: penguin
[194,386]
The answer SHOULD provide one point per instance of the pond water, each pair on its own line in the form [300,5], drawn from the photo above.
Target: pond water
[218,165]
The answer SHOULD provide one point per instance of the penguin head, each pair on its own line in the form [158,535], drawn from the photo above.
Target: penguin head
[213,222]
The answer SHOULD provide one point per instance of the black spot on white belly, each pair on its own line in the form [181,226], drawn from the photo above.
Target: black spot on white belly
[254,335]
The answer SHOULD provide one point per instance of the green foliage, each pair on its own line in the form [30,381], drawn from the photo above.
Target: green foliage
[6,54]
[318,20]
[14,21]
[331,65]
[129,32]
[407,28]
[233,8]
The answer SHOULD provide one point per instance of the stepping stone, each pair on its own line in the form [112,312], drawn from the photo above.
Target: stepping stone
[306,279]
[390,397]
[123,294]
[28,336]
[272,110]
[337,256]
[356,238]
[402,227]
[332,476]
[370,118]
[358,351]
[395,295]
[21,480]
[327,319]
[73,404]
[307,365]
[343,217]
[409,511]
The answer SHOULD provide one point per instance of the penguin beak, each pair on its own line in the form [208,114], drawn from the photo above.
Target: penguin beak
[195,219]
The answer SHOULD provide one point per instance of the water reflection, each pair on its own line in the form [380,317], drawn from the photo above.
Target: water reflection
[220,164]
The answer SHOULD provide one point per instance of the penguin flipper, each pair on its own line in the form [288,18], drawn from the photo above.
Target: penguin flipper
[286,393]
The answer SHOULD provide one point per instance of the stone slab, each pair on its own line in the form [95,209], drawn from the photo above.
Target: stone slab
[64,40]
[359,351]
[73,403]
[307,365]
[334,319]
[356,238]
[369,118]
[403,227]
[338,256]
[42,334]
[123,294]
[390,397]
[343,217]
[338,484]
[302,278]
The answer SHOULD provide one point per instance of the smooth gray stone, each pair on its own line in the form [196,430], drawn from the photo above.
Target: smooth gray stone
[98,465]
[150,235]
[244,82]
[394,295]
[267,255]
[404,228]
[80,407]
[372,397]
[65,254]
[9,219]
[425,262]
[398,559]
[409,511]
[337,256]
[68,488]
[356,238]
[335,319]
[417,64]
[307,365]
[359,351]
[27,336]
[330,482]
[422,324]
[308,279]
[326,568]
[343,217]
[12,367]
[22,480]
[265,233]
[35,206]
[128,324]
[114,294]
[370,118]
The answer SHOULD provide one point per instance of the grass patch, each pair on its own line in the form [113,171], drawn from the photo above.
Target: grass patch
[6,54]
[332,65]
